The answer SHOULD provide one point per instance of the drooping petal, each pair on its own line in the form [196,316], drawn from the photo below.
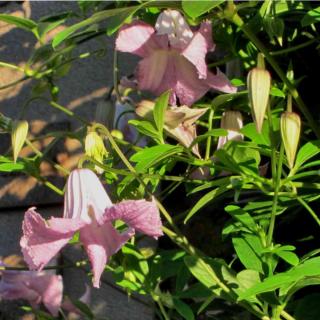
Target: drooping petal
[198,47]
[220,82]
[36,287]
[50,288]
[151,71]
[189,88]
[141,215]
[41,241]
[84,190]
[172,23]
[139,38]
[101,242]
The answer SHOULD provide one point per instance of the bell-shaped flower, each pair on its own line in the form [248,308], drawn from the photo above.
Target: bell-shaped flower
[89,211]
[173,57]
[231,121]
[35,287]
[179,122]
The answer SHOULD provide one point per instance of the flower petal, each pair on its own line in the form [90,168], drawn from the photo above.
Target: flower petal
[139,38]
[189,88]
[198,47]
[84,190]
[50,288]
[41,241]
[141,215]
[151,72]
[173,24]
[101,242]
[220,82]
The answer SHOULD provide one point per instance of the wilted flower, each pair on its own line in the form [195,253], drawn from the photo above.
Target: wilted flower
[179,122]
[290,124]
[89,210]
[259,82]
[232,122]
[35,287]
[19,134]
[173,57]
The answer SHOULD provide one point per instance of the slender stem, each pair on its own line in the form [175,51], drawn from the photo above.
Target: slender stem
[11,66]
[275,198]
[233,16]
[273,148]
[68,112]
[294,48]
[286,315]
[162,309]
[11,84]
[115,75]
[208,146]
[309,209]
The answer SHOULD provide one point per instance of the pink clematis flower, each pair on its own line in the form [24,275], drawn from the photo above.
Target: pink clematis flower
[35,287]
[173,57]
[89,210]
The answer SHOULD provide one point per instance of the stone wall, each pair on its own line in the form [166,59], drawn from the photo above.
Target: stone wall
[81,90]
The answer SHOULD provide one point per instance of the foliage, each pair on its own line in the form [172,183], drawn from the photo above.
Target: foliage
[243,196]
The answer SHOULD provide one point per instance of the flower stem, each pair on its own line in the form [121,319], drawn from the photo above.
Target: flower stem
[208,146]
[309,209]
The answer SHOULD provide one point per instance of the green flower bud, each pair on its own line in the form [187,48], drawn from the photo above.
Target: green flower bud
[290,125]
[19,132]
[259,82]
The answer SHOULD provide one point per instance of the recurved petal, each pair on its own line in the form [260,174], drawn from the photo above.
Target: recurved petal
[101,242]
[141,215]
[198,47]
[42,240]
[220,82]
[139,38]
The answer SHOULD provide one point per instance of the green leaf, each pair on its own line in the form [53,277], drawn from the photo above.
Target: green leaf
[276,92]
[311,17]
[206,199]
[23,23]
[309,268]
[6,165]
[249,251]
[160,109]
[243,217]
[95,18]
[225,98]
[183,309]
[288,256]
[146,128]
[208,271]
[195,9]
[150,156]
[306,152]
[211,133]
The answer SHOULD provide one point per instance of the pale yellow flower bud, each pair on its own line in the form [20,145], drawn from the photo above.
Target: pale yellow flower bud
[259,82]
[19,132]
[290,125]
[232,121]
[95,148]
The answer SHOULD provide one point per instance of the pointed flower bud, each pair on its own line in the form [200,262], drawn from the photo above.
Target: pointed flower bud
[259,82]
[95,148]
[19,132]
[290,132]
[231,121]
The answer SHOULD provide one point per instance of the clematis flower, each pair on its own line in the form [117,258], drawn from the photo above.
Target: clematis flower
[89,211]
[35,287]
[179,122]
[173,57]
